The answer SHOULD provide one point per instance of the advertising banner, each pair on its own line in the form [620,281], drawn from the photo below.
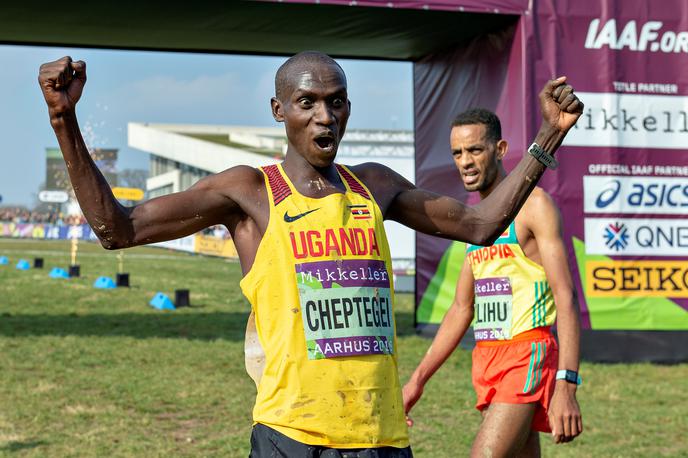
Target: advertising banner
[622,183]
[183,244]
[46,231]
[214,246]
[198,243]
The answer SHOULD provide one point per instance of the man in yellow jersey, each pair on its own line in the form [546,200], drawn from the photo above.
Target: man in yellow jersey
[509,291]
[313,251]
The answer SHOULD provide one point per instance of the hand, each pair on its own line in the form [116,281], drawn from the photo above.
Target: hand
[559,105]
[411,393]
[564,414]
[62,83]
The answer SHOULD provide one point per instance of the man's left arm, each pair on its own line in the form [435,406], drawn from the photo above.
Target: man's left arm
[546,226]
[480,224]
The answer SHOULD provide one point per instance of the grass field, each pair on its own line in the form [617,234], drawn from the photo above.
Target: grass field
[86,372]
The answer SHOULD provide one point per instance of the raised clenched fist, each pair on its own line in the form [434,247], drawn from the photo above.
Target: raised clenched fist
[62,83]
[560,107]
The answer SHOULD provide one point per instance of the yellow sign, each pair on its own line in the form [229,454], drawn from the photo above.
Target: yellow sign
[128,193]
[214,246]
[637,279]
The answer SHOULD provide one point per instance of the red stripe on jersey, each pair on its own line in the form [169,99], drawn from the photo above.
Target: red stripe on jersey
[278,185]
[354,185]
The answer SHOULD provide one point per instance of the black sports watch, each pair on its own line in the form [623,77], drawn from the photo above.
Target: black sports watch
[569,376]
[541,155]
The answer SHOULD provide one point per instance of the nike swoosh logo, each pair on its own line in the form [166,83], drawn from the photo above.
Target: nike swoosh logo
[291,219]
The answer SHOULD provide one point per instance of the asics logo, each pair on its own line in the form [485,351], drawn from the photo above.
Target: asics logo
[608,194]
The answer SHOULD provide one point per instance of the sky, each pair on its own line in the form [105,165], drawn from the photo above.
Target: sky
[157,87]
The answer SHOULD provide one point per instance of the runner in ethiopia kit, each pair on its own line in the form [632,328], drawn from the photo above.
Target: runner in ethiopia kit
[509,290]
[321,342]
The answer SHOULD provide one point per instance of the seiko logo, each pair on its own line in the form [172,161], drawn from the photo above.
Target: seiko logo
[635,37]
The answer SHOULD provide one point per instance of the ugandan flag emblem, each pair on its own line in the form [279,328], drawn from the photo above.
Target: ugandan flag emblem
[359,211]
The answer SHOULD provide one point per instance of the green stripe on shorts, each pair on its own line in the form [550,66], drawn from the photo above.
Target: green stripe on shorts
[530,367]
[540,366]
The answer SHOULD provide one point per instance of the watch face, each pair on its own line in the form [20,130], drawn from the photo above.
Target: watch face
[569,376]
[545,159]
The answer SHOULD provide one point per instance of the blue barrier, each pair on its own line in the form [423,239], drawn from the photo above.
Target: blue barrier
[58,272]
[161,302]
[104,283]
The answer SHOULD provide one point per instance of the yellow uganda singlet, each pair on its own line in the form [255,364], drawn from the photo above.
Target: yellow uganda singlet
[512,294]
[321,290]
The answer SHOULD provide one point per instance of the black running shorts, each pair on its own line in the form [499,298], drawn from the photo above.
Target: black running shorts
[266,442]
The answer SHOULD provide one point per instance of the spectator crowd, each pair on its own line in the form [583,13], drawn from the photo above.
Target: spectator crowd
[23,215]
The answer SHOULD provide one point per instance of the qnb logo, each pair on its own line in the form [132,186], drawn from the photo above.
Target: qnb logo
[608,194]
[635,37]
[616,236]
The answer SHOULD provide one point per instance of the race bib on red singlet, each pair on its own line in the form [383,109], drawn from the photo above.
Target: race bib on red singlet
[493,305]
[346,308]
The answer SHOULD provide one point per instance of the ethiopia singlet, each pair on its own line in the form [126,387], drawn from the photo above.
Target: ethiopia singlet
[512,294]
[321,290]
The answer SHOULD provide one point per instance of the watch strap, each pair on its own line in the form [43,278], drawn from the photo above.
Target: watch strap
[541,155]
[569,376]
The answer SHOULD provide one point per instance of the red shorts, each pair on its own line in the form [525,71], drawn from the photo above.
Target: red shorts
[517,371]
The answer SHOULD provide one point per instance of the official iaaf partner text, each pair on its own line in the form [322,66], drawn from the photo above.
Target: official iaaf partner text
[636,169]
[635,37]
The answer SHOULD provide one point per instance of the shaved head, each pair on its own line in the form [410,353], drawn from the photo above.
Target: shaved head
[285,77]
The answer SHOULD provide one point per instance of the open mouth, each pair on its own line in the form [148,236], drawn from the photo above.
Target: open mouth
[325,141]
[470,177]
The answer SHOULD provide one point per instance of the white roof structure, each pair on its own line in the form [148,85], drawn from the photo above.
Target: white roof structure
[207,147]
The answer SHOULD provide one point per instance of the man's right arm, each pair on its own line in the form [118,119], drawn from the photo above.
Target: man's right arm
[454,325]
[164,218]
